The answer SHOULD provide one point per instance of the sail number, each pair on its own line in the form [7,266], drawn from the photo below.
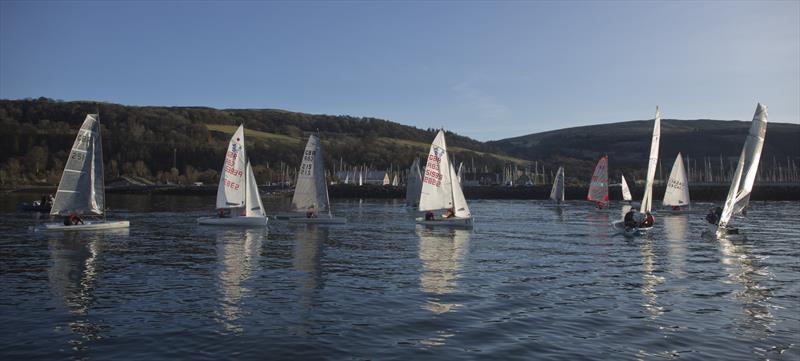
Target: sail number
[305,169]
[232,185]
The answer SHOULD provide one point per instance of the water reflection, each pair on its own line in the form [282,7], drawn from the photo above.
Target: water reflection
[650,279]
[73,277]
[746,270]
[442,252]
[307,258]
[676,228]
[238,252]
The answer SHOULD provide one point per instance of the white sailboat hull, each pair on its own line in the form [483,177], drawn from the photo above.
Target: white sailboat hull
[320,220]
[234,221]
[87,226]
[447,222]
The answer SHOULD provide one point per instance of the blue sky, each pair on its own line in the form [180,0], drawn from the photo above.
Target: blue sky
[488,70]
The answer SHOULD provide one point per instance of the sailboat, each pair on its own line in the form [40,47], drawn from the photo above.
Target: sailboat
[81,191]
[598,187]
[413,184]
[311,189]
[744,177]
[626,191]
[642,224]
[557,193]
[238,201]
[442,190]
[677,193]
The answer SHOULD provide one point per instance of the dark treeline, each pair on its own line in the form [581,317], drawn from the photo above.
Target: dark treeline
[174,144]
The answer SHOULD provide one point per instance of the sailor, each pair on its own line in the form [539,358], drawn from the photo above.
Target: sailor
[628,220]
[713,216]
[649,220]
[429,216]
[451,212]
[311,212]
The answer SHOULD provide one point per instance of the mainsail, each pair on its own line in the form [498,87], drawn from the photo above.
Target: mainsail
[745,176]
[81,189]
[413,184]
[598,188]
[677,193]
[437,184]
[310,189]
[626,192]
[647,200]
[557,193]
[254,207]
[231,189]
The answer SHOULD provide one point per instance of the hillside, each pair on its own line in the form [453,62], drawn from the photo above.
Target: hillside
[36,134]
[628,144]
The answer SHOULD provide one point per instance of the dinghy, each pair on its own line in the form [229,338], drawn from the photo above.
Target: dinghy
[413,184]
[442,190]
[311,190]
[647,200]
[598,188]
[557,192]
[81,191]
[677,194]
[744,177]
[626,191]
[238,201]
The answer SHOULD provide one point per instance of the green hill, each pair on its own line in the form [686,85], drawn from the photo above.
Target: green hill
[36,134]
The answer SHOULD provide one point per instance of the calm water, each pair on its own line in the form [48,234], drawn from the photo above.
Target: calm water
[542,284]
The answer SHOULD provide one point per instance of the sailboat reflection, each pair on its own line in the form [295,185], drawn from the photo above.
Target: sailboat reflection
[73,277]
[442,253]
[306,259]
[746,270]
[238,252]
[676,227]
[650,279]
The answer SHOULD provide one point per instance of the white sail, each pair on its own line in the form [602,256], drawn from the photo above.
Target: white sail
[557,192]
[626,192]
[677,193]
[82,188]
[360,178]
[310,189]
[437,185]
[742,182]
[459,202]
[598,188]
[413,184]
[647,200]
[460,172]
[395,181]
[231,189]
[253,205]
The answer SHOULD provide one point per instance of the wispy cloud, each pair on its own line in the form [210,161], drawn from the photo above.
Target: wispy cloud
[483,105]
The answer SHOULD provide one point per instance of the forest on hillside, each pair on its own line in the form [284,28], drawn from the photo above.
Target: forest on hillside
[175,144]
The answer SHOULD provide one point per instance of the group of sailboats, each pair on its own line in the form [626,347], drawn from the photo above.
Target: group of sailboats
[81,191]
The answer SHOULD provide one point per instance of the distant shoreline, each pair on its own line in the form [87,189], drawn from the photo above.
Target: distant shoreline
[704,192]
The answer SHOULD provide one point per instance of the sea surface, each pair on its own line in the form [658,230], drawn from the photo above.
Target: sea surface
[531,281]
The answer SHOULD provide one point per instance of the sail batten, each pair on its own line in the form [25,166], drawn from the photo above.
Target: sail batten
[81,189]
